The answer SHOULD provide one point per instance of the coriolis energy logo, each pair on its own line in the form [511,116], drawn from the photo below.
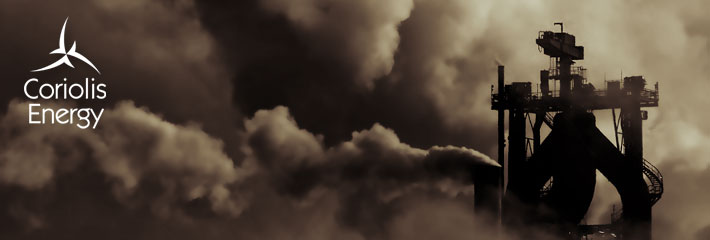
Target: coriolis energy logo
[88,90]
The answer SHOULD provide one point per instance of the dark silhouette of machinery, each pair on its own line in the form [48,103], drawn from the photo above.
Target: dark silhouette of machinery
[551,180]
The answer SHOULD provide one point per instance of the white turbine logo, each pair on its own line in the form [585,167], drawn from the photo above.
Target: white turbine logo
[65,59]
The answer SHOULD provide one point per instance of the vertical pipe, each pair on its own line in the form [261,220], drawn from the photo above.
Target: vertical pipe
[501,144]
[616,128]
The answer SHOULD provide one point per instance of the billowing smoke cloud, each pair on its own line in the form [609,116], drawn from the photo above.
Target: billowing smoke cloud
[370,173]
[359,34]
[375,155]
[148,163]
[132,149]
[279,62]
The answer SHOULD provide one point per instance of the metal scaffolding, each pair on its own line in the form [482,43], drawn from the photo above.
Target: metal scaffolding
[574,149]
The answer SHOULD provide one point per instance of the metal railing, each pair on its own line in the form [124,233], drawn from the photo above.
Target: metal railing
[654,181]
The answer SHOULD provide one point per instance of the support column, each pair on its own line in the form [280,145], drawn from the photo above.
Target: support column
[516,150]
[637,208]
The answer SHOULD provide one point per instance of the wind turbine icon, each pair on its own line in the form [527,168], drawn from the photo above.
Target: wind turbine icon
[65,59]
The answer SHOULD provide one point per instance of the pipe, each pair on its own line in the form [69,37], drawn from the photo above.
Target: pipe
[501,145]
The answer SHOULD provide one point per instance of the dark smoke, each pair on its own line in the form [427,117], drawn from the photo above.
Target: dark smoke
[192,167]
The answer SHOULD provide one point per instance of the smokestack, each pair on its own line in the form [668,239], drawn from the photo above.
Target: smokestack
[501,150]
[501,129]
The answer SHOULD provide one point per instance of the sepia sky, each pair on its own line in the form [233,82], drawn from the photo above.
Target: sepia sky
[320,119]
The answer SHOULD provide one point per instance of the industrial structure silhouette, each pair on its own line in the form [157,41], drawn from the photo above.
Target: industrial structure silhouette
[551,180]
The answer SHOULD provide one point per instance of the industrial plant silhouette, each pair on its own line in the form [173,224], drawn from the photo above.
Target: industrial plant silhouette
[551,180]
